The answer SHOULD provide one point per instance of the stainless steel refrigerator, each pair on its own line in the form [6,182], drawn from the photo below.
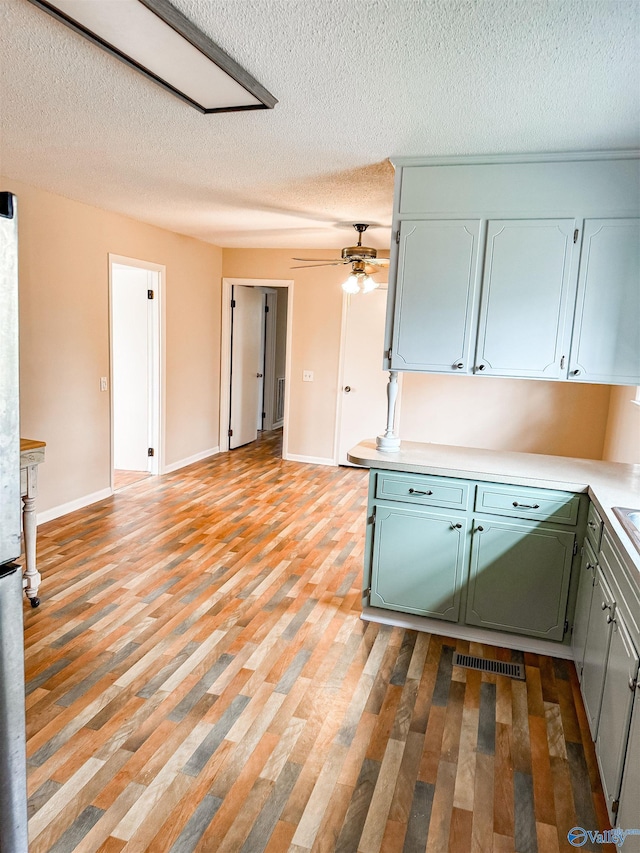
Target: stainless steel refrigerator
[13,776]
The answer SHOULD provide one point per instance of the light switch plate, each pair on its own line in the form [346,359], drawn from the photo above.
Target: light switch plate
[307,375]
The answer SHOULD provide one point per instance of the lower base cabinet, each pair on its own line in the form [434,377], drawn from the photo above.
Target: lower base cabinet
[494,556]
[596,649]
[519,580]
[419,559]
[629,808]
[615,714]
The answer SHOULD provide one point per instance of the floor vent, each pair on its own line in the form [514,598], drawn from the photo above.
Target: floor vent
[512,670]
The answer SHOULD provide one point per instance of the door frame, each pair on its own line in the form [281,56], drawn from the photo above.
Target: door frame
[156,360]
[346,302]
[225,353]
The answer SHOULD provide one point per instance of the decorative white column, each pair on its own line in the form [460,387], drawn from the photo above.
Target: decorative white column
[390,442]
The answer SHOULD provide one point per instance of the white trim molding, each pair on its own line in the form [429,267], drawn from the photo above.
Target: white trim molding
[310,460]
[72,506]
[197,457]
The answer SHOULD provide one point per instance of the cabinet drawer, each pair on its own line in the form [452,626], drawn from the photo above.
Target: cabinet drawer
[430,491]
[594,527]
[560,507]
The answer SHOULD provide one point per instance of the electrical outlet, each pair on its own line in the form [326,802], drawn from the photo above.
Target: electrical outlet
[307,375]
[103,383]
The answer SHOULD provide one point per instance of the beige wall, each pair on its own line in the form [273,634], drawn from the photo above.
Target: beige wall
[558,418]
[64,337]
[316,307]
[622,442]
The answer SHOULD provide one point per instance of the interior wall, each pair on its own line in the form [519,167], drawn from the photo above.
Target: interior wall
[622,441]
[557,418]
[315,346]
[64,337]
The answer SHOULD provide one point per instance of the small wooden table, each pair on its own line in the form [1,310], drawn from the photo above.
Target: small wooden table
[31,455]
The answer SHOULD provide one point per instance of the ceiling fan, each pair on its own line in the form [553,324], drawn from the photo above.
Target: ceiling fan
[364,263]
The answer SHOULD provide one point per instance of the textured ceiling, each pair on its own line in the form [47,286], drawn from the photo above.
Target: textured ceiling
[357,81]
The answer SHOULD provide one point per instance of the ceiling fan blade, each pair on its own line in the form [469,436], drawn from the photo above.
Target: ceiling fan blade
[310,266]
[326,260]
[378,262]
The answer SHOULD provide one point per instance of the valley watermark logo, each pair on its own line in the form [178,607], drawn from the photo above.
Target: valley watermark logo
[578,836]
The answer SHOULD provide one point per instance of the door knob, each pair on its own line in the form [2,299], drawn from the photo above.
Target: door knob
[258,376]
[347,388]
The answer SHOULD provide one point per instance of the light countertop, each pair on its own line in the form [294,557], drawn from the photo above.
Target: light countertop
[608,484]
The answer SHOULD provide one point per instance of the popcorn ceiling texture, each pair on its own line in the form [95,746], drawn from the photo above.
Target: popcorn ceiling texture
[357,82]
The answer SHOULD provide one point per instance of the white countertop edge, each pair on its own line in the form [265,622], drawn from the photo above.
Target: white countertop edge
[608,484]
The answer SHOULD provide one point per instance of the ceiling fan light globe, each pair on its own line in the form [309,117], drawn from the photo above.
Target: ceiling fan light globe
[351,285]
[368,284]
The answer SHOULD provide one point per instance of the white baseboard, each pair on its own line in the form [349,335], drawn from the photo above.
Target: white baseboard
[467,632]
[312,460]
[182,463]
[72,506]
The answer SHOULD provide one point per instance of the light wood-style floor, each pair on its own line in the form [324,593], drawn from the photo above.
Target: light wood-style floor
[199,679]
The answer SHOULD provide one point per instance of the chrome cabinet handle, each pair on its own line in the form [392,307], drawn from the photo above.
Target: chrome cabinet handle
[592,524]
[481,366]
[458,365]
[632,683]
[457,526]
[606,606]
[609,619]
[575,372]
[527,506]
[416,492]
[479,528]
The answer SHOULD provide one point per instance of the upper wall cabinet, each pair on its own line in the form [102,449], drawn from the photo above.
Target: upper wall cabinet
[519,267]
[606,333]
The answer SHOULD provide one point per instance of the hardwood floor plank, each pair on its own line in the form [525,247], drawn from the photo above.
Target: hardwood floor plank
[199,679]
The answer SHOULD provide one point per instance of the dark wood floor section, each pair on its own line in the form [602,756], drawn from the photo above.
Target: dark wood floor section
[199,679]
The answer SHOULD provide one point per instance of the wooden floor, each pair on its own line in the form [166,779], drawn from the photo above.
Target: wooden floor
[199,679]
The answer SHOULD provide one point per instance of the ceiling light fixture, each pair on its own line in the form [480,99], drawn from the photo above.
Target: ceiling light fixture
[359,280]
[159,41]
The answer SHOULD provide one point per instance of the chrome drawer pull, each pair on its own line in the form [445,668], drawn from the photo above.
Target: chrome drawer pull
[526,506]
[416,492]
[592,524]
[457,526]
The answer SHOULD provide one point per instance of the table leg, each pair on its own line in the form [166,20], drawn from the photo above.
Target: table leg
[32,575]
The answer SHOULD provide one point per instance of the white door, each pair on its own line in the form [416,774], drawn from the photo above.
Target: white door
[246,363]
[130,312]
[363,388]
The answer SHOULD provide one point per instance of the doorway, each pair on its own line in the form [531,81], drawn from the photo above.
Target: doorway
[255,359]
[362,395]
[135,298]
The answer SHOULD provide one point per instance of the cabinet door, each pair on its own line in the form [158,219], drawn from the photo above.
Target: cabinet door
[519,579]
[418,561]
[615,714]
[606,334]
[583,606]
[525,296]
[596,649]
[436,296]
[630,791]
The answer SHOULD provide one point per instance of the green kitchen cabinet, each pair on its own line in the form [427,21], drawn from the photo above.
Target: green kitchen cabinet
[583,606]
[617,704]
[596,649]
[419,558]
[436,303]
[606,335]
[629,802]
[526,292]
[519,579]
